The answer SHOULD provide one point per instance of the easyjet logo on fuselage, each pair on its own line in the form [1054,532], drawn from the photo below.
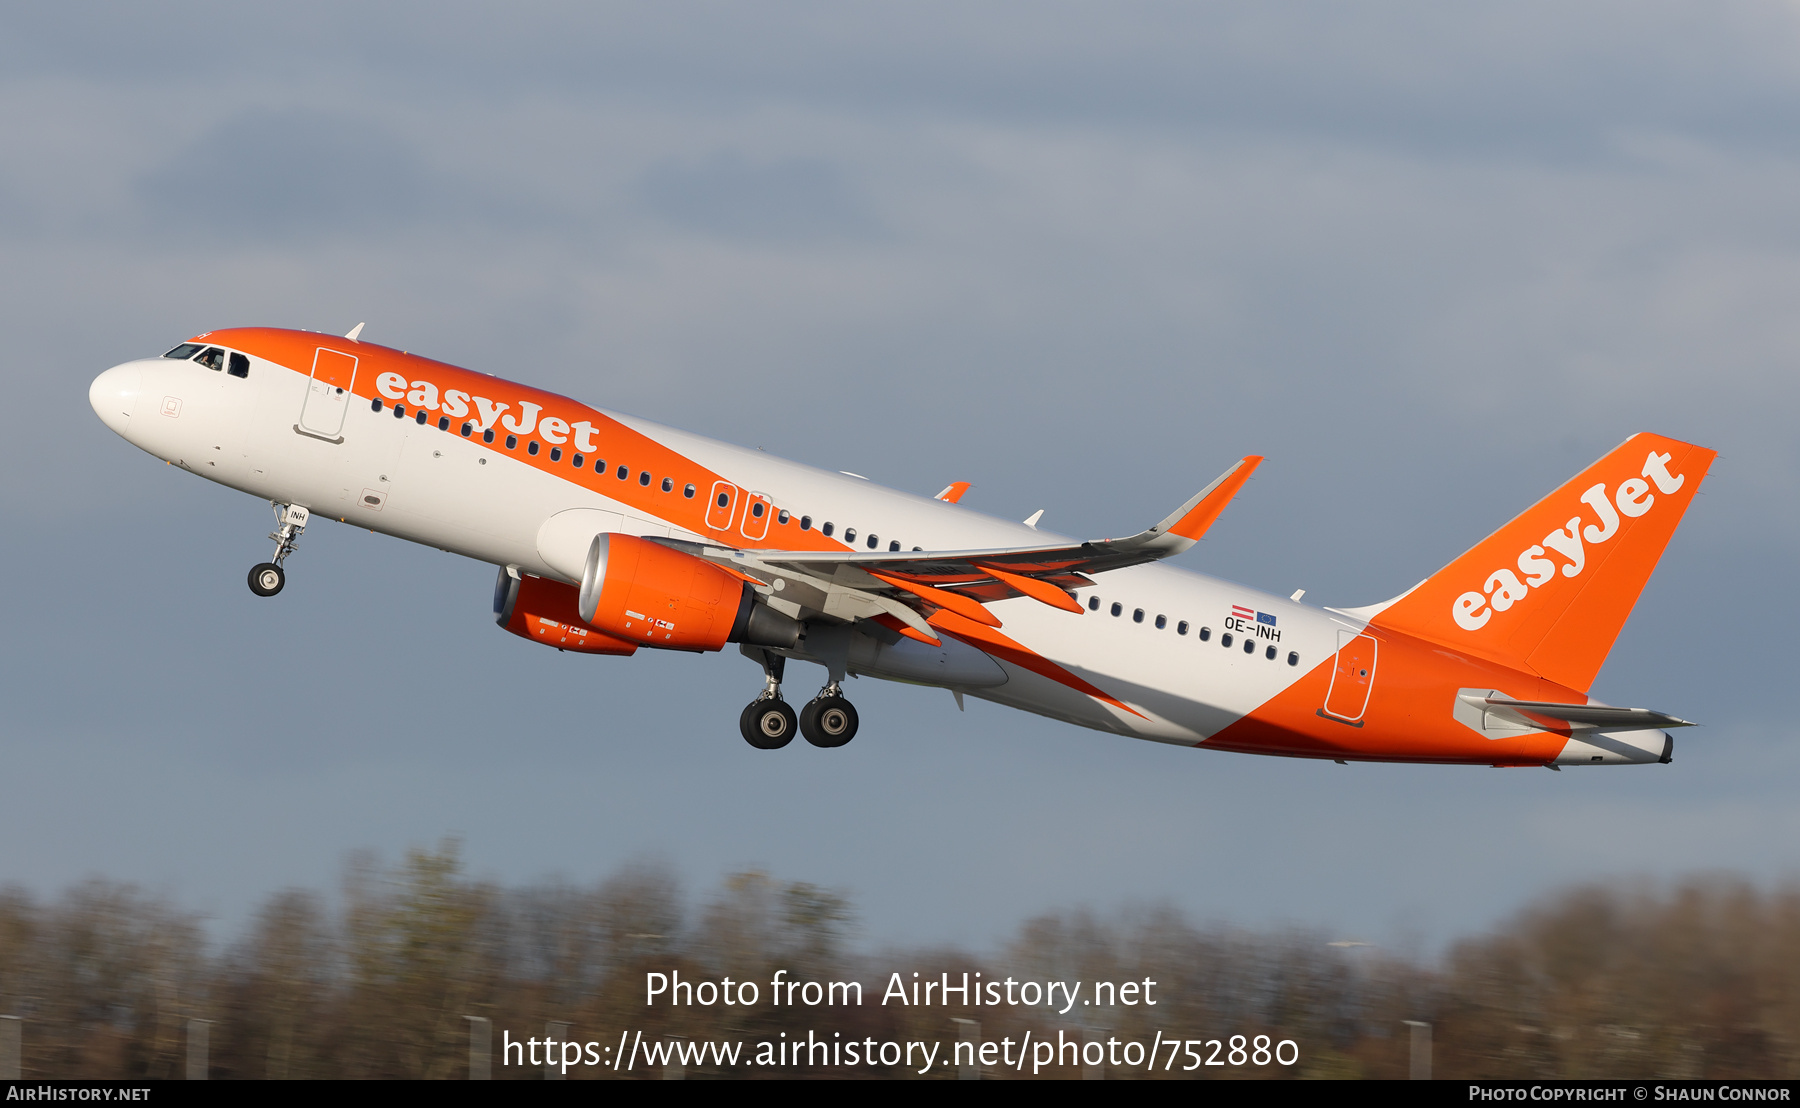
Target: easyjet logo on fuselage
[456,404]
[1504,588]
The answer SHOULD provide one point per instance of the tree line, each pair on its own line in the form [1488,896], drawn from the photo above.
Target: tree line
[1696,980]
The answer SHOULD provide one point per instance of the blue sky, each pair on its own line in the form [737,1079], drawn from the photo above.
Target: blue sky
[1430,260]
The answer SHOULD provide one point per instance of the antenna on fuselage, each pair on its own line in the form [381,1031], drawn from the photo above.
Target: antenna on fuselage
[354,332]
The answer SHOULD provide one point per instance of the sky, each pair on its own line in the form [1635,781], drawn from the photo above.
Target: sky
[1431,260]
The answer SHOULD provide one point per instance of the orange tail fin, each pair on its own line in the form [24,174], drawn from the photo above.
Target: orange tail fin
[1550,591]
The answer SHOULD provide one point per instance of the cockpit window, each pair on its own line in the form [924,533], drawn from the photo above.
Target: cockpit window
[183,352]
[240,366]
[212,358]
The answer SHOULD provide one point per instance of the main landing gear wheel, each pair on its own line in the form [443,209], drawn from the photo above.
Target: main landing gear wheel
[828,720]
[767,723]
[266,579]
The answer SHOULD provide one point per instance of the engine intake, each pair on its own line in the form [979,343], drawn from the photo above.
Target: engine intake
[644,592]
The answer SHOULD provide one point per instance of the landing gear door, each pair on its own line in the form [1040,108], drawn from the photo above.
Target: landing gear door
[722,507]
[1352,678]
[328,395]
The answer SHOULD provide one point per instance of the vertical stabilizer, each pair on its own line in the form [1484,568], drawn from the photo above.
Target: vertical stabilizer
[1550,591]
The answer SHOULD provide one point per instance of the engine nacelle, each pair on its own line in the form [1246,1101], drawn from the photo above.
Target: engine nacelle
[644,592]
[544,611]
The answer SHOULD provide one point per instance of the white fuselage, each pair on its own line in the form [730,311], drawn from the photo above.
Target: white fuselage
[1163,654]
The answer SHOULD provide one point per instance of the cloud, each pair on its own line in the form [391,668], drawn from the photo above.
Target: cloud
[731,195]
[286,174]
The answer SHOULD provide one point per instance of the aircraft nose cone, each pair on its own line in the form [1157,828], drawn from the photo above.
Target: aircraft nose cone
[114,394]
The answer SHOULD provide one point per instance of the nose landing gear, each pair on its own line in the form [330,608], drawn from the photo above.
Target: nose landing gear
[267,578]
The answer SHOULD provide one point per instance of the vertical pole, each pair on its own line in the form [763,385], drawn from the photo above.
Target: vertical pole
[481,1043]
[1420,1068]
[558,1030]
[10,1058]
[199,1039]
[971,1034]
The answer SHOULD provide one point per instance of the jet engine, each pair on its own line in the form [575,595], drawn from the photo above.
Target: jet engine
[643,592]
[544,611]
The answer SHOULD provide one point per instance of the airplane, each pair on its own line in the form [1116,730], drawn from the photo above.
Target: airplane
[613,534]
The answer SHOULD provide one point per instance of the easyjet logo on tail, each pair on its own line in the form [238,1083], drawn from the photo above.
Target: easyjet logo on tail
[1536,566]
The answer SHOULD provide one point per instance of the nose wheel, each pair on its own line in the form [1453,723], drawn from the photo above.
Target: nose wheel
[267,578]
[828,720]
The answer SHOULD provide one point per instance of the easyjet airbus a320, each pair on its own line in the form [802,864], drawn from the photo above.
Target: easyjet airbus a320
[614,534]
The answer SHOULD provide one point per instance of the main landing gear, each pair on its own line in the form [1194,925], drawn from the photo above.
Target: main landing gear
[767,722]
[828,719]
[267,578]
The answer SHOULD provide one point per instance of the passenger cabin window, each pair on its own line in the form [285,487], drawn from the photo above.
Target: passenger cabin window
[1137,616]
[1224,640]
[893,547]
[1162,622]
[185,351]
[1249,646]
[1118,609]
[576,461]
[240,366]
[556,453]
[782,516]
[826,530]
[512,441]
[644,478]
[688,491]
[375,405]
[422,417]
[805,523]
[668,484]
[467,429]
[624,472]
[874,540]
[1093,603]
[399,411]
[1205,634]
[850,535]
[1181,628]
[212,358]
[1293,658]
[1269,654]
[532,447]
[443,423]
[487,435]
[756,509]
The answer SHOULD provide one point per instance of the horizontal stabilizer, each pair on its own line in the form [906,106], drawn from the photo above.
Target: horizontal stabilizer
[1587,717]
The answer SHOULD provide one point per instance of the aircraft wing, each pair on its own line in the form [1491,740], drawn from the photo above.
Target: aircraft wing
[913,587]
